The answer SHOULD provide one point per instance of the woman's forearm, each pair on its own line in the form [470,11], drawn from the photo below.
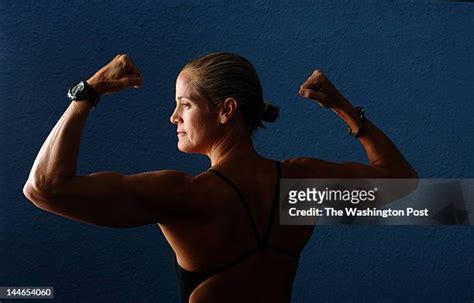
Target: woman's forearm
[57,158]
[56,161]
[381,151]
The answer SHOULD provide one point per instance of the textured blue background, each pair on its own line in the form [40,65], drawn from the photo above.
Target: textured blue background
[408,62]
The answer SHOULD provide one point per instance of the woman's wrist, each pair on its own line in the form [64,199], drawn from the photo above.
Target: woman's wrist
[344,106]
[82,107]
[348,113]
[97,85]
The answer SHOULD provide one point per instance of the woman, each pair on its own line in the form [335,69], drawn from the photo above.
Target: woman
[222,224]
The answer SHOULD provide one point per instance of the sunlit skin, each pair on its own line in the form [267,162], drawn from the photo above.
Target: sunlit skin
[196,124]
[202,217]
[219,134]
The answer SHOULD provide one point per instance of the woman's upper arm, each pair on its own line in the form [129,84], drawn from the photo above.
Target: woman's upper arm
[316,168]
[116,200]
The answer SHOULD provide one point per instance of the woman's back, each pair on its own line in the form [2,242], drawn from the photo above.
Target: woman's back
[237,251]
[217,222]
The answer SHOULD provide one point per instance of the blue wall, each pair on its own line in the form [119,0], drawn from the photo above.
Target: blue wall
[409,63]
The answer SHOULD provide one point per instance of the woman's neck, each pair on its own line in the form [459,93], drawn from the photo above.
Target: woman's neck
[232,148]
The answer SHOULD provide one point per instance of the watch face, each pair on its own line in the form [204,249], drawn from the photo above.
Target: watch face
[78,88]
[76,91]
[81,91]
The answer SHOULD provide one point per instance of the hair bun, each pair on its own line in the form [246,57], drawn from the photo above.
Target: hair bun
[270,112]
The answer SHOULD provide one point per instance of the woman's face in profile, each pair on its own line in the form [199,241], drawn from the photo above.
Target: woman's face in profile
[196,123]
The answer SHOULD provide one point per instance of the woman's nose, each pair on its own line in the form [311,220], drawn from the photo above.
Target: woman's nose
[174,119]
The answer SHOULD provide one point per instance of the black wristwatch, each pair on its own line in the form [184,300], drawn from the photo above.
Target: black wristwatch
[361,112]
[83,91]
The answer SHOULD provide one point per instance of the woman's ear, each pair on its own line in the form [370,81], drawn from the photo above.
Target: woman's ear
[228,109]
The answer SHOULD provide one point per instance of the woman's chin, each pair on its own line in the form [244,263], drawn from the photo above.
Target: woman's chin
[184,148]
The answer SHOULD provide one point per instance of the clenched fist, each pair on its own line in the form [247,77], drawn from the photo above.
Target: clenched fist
[119,74]
[317,87]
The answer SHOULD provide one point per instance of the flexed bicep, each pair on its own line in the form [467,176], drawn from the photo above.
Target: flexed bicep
[115,200]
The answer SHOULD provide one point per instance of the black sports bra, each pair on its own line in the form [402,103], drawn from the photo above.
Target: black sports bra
[189,280]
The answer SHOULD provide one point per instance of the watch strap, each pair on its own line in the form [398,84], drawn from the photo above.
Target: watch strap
[361,112]
[83,91]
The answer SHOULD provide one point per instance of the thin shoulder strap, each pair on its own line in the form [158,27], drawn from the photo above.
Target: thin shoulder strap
[276,201]
[243,200]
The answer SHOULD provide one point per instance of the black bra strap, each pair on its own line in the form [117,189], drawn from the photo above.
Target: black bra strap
[243,200]
[276,201]
[261,243]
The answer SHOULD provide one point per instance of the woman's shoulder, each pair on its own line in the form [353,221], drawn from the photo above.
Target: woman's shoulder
[307,167]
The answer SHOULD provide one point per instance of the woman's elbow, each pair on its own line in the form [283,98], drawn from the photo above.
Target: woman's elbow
[405,172]
[409,179]
[36,193]
[411,173]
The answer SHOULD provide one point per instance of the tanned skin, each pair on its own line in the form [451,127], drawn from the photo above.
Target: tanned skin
[202,217]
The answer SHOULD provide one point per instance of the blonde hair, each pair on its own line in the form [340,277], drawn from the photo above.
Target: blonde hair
[218,76]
